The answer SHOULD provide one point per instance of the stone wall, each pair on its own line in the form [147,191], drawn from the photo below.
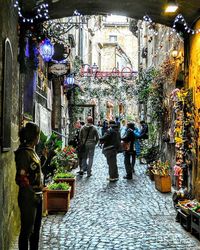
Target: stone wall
[9,213]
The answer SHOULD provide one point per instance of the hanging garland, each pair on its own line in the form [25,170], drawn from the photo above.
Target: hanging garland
[110,88]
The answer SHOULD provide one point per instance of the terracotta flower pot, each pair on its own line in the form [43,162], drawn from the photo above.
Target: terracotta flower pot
[71,182]
[58,200]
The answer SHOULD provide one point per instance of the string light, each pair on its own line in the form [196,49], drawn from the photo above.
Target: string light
[179,18]
[42,13]
[169,33]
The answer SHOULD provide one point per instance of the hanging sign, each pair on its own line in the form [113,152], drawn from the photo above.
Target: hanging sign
[59,69]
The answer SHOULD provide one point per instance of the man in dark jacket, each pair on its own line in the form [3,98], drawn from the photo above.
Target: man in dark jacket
[111,144]
[89,137]
[129,154]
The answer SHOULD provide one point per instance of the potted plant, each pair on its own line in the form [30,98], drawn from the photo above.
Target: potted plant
[64,159]
[68,178]
[71,156]
[58,197]
[161,171]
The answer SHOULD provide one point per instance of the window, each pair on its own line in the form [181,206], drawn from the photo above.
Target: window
[7,97]
[113,39]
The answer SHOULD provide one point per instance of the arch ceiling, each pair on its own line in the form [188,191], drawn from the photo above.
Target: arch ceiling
[190,9]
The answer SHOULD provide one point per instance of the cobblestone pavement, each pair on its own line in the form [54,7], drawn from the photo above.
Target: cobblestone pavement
[128,214]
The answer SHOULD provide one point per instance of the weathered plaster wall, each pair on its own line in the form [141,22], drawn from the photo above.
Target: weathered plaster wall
[127,41]
[9,213]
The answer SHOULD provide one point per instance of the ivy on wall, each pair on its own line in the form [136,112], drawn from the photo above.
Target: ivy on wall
[150,87]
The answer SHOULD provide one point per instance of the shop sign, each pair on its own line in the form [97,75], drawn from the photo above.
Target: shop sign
[58,69]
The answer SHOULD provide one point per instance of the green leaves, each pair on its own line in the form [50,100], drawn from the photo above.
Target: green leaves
[59,186]
[144,82]
[63,175]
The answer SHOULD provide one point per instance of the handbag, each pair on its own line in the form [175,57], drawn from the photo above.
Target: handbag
[126,145]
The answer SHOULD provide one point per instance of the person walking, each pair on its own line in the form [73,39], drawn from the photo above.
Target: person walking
[28,178]
[111,145]
[89,137]
[104,127]
[129,152]
[123,129]
[77,144]
[144,130]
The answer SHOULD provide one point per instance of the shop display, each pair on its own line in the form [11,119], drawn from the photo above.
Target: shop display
[184,136]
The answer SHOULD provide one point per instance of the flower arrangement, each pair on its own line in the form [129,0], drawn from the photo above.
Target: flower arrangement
[161,168]
[61,161]
[69,152]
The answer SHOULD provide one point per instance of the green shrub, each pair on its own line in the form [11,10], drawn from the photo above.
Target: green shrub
[64,175]
[59,186]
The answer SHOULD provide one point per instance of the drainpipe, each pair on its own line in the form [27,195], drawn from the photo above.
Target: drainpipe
[80,46]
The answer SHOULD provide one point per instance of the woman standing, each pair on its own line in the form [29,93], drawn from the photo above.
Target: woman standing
[28,177]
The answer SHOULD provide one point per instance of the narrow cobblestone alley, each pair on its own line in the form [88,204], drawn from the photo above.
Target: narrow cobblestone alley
[123,215]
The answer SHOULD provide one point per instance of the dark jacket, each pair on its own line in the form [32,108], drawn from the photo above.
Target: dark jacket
[111,139]
[144,131]
[129,137]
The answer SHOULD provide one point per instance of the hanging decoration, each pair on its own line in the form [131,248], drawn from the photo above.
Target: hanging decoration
[41,13]
[179,18]
[46,50]
[185,138]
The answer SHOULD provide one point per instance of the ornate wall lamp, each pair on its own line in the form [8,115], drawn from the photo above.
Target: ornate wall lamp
[46,50]
[174,53]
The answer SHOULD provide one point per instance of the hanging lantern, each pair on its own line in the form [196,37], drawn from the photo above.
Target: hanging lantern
[46,50]
[69,80]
